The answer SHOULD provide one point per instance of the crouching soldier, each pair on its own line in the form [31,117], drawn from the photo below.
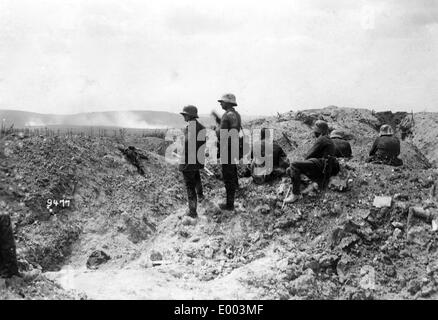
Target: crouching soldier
[280,162]
[386,148]
[319,165]
[8,255]
[193,159]
[342,146]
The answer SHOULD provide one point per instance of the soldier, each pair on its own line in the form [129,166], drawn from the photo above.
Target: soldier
[8,256]
[406,126]
[230,120]
[343,148]
[386,148]
[193,159]
[280,162]
[319,165]
[134,156]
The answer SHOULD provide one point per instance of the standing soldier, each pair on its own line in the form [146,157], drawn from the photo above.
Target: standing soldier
[8,255]
[230,120]
[194,144]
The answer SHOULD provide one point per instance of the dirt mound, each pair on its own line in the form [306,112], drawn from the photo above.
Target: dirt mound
[294,133]
[157,145]
[425,135]
[99,184]
[330,245]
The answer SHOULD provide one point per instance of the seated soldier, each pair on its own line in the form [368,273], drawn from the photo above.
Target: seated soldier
[386,148]
[319,165]
[280,162]
[343,148]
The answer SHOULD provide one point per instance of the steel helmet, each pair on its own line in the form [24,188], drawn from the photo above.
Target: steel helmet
[337,134]
[321,127]
[229,98]
[190,111]
[386,130]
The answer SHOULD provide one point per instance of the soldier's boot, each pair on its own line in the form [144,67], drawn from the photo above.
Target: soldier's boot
[229,204]
[192,208]
[293,198]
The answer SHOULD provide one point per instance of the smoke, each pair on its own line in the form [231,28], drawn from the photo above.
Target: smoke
[132,120]
[123,119]
[35,123]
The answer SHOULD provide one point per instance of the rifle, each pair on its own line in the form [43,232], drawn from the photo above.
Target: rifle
[284,200]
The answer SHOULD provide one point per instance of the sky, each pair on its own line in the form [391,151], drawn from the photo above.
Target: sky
[62,56]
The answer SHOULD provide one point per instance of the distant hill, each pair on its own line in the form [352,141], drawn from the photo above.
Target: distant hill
[125,119]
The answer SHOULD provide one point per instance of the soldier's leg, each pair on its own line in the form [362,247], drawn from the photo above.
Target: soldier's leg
[229,172]
[190,181]
[308,168]
[8,266]
[236,176]
[396,162]
[276,174]
[137,163]
[199,190]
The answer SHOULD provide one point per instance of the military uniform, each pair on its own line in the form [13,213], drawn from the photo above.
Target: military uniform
[280,163]
[319,165]
[8,256]
[386,150]
[230,120]
[406,126]
[342,148]
[190,171]
[134,157]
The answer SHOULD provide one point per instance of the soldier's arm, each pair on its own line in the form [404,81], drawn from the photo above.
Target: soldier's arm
[350,152]
[186,145]
[216,117]
[314,151]
[398,146]
[143,156]
[373,148]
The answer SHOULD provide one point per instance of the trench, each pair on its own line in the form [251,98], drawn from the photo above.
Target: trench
[135,276]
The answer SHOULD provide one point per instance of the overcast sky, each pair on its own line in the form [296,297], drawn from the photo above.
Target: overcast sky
[61,56]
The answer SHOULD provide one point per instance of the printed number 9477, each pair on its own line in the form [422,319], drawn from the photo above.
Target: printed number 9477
[62,203]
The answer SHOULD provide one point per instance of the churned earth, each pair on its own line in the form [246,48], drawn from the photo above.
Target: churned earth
[334,244]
